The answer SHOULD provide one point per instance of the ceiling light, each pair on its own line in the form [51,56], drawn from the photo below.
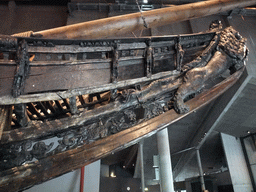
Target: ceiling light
[112,174]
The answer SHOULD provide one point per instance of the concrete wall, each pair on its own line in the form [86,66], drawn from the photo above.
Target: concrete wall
[251,153]
[236,163]
[223,179]
[67,183]
[71,182]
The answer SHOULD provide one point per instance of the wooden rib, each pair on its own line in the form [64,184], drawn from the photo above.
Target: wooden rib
[34,110]
[5,118]
[20,111]
[30,174]
[66,104]
[48,104]
[60,109]
[42,107]
[81,99]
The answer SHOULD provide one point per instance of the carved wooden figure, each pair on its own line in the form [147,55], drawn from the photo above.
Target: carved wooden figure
[229,52]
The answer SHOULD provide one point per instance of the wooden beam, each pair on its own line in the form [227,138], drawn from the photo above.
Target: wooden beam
[27,175]
[8,99]
[112,26]
[21,114]
[5,118]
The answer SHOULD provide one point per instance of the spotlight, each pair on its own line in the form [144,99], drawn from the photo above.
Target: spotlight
[112,174]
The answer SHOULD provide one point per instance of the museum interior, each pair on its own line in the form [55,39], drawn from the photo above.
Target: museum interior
[209,147]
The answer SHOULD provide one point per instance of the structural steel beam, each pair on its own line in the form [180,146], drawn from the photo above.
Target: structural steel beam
[112,26]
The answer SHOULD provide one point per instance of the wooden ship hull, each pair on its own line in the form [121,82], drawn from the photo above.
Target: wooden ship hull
[66,103]
[65,78]
[62,104]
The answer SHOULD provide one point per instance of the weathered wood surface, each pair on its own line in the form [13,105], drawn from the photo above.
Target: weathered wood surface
[120,24]
[7,100]
[42,129]
[25,176]
[5,118]
[77,66]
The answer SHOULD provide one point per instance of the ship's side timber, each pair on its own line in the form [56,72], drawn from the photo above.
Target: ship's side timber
[75,67]
[36,97]
[163,89]
[33,173]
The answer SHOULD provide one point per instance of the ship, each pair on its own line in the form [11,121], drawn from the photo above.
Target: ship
[69,102]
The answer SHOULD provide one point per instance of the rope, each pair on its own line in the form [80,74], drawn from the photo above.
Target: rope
[143,18]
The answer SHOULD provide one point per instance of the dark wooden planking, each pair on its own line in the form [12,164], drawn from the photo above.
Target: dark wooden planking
[6,85]
[5,118]
[131,72]
[67,49]
[33,173]
[44,78]
[42,67]
[52,78]
[8,99]
[66,80]
[163,64]
[69,74]
[7,70]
